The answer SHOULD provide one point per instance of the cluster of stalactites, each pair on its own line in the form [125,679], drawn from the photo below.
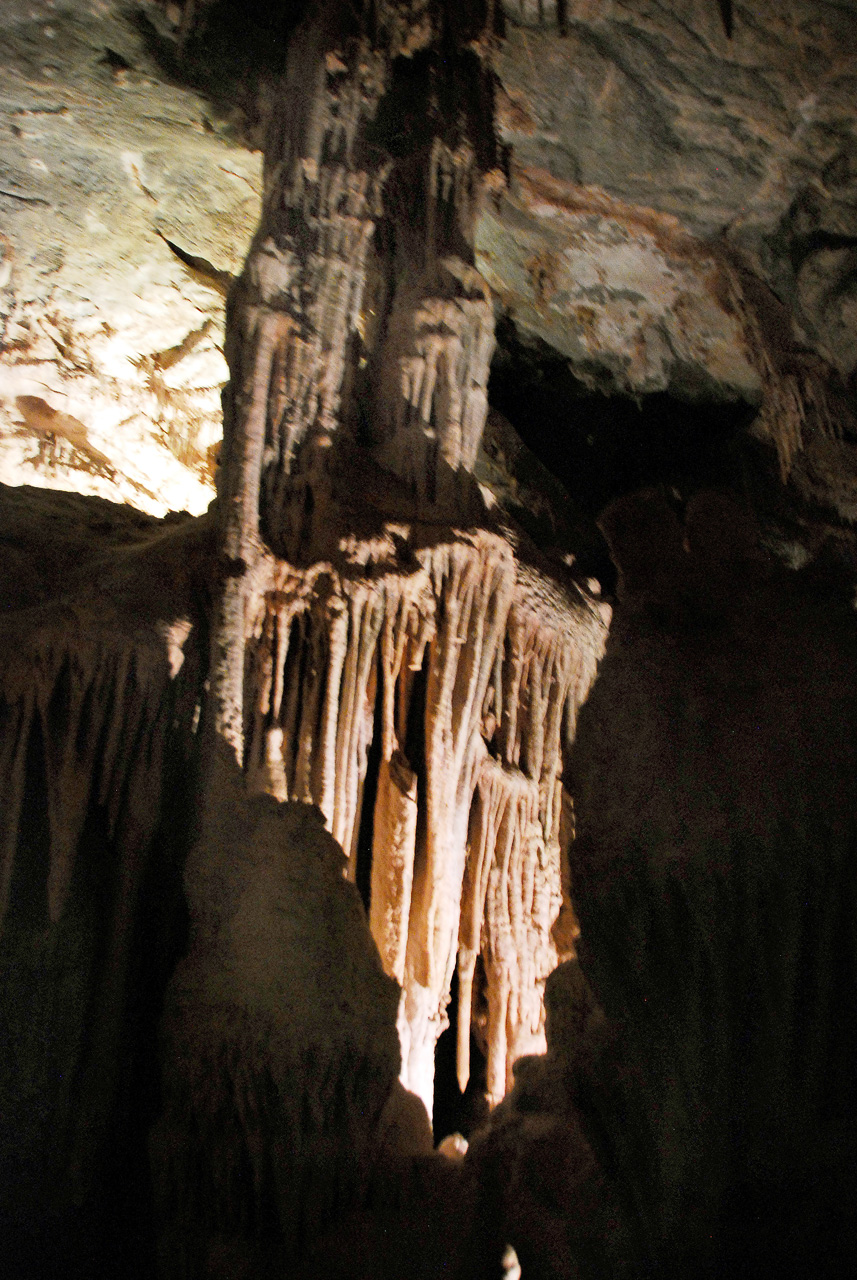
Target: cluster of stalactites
[301,322]
[298,302]
[431,401]
[449,665]
[300,315]
[98,713]
[464,687]
[434,383]
[513,883]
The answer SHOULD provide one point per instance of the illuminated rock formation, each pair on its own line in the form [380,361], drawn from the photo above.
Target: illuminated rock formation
[359,676]
[433,628]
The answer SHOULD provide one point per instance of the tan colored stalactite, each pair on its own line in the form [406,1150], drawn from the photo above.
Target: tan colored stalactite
[408,627]
[522,903]
[393,861]
[356,712]
[514,873]
[293,311]
[795,400]
[474,593]
[313,684]
[316,649]
[434,373]
[311,729]
[439,388]
[466,855]
[492,828]
[321,212]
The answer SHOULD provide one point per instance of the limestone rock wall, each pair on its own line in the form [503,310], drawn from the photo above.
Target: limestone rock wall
[744,140]
[127,202]
[714,872]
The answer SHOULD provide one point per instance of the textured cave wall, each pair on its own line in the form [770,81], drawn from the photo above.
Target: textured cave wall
[104,657]
[700,1092]
[392,659]
[715,877]
[680,216]
[743,141]
[128,197]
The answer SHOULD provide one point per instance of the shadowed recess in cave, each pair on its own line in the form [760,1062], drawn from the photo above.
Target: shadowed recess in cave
[456,1110]
[600,446]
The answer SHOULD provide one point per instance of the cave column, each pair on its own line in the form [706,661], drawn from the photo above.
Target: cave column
[290,319]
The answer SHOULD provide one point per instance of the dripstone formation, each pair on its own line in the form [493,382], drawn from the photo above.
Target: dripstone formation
[303,799]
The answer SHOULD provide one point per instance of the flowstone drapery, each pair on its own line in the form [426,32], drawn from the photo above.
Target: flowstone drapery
[464,669]
[369,596]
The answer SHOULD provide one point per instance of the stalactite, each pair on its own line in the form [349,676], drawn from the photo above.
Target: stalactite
[505,660]
[292,315]
[514,874]
[466,651]
[436,377]
[502,814]
[393,865]
[795,403]
[92,701]
[91,710]
[474,594]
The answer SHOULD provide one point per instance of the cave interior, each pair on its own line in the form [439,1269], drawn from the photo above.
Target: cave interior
[428,652]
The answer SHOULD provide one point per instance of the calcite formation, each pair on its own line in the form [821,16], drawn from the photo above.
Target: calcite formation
[432,635]
[100,701]
[357,677]
[467,670]
[382,648]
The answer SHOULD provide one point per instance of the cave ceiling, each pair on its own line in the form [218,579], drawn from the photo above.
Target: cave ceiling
[644,161]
